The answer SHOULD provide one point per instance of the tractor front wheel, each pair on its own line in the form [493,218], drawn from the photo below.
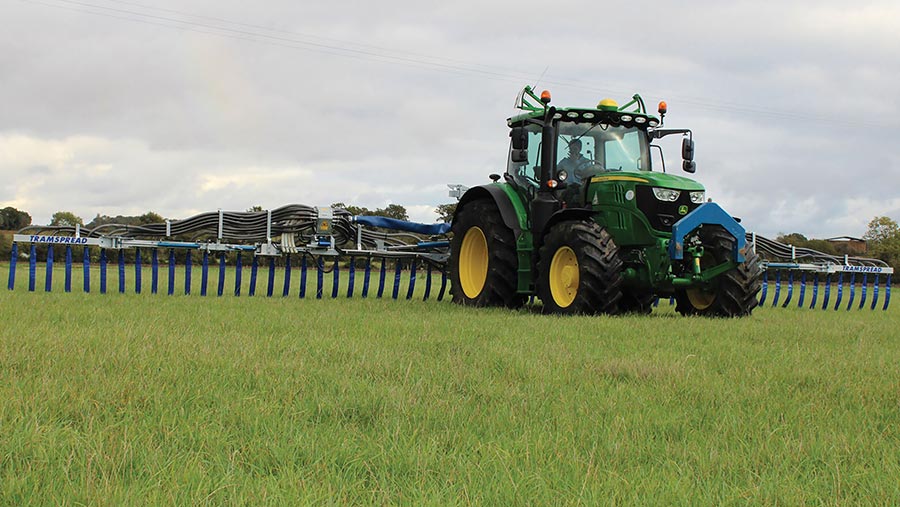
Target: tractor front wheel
[579,270]
[483,258]
[732,294]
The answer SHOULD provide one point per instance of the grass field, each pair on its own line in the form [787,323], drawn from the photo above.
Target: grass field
[147,399]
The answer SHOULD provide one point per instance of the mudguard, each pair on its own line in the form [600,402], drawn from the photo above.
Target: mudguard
[708,213]
[515,219]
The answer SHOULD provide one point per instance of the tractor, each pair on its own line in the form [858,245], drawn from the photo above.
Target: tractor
[584,222]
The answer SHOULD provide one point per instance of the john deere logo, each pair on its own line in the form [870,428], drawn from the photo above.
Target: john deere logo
[682,210]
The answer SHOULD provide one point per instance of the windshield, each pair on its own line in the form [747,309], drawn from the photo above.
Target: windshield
[605,147]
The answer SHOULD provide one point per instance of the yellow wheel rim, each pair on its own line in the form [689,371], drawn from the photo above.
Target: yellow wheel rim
[564,277]
[473,262]
[700,299]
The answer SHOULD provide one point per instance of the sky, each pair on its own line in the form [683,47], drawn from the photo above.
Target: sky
[119,107]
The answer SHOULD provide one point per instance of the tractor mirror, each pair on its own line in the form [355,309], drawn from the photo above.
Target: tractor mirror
[689,166]
[519,155]
[687,149]
[519,138]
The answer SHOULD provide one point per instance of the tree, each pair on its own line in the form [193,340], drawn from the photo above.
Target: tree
[794,238]
[151,218]
[252,209]
[354,210]
[446,211]
[882,229]
[393,211]
[12,219]
[883,240]
[66,218]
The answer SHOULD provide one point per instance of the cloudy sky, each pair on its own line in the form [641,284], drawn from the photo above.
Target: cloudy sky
[125,106]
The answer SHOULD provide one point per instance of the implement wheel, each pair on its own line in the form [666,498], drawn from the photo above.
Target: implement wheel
[732,294]
[579,270]
[483,261]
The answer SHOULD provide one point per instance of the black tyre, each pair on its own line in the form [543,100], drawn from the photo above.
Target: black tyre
[636,301]
[483,261]
[579,270]
[732,294]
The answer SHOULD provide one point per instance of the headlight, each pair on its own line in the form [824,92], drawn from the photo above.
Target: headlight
[698,197]
[666,194]
[562,175]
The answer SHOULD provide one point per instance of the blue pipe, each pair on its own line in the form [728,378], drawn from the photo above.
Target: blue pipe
[138,275]
[351,277]
[790,293]
[412,279]
[887,293]
[335,281]
[802,289]
[303,276]
[875,292]
[220,287]
[762,297]
[154,271]
[270,287]
[204,273]
[48,278]
[86,268]
[777,288]
[68,282]
[365,291]
[254,267]
[862,293]
[238,270]
[382,277]
[443,285]
[320,266]
[121,271]
[427,281]
[102,271]
[12,267]
[852,290]
[188,268]
[397,268]
[840,290]
[287,276]
[827,291]
[170,289]
[812,304]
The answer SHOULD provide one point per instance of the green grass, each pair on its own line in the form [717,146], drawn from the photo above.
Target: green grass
[141,399]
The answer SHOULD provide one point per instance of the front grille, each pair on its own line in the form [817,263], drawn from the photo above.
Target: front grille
[662,215]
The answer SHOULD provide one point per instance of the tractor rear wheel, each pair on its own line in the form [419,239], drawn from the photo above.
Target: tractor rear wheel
[579,270]
[733,293]
[483,261]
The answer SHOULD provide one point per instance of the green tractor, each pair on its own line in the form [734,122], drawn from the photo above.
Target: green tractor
[582,221]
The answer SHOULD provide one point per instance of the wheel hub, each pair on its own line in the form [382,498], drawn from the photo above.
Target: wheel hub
[473,262]
[564,277]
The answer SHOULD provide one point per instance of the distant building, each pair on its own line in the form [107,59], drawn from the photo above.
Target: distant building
[848,245]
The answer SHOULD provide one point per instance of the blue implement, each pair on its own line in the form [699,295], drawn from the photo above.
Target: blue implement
[286,290]
[887,293]
[812,304]
[320,267]
[351,277]
[802,290]
[827,292]
[875,292]
[383,276]
[862,294]
[443,285]
[427,281]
